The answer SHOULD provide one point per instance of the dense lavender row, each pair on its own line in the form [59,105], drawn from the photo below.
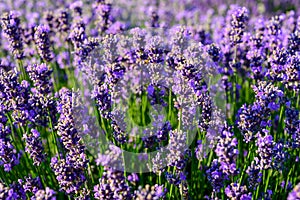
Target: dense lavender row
[251,151]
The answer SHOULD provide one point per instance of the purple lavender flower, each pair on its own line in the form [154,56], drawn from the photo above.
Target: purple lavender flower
[70,179]
[154,192]
[14,191]
[215,176]
[43,43]
[103,9]
[295,194]
[10,23]
[239,18]
[255,175]
[8,154]
[76,7]
[31,185]
[46,194]
[62,21]
[227,151]
[112,185]
[69,171]
[265,151]
[237,192]
[34,146]
[41,75]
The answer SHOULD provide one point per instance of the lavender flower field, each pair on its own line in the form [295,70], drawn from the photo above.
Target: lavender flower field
[149,100]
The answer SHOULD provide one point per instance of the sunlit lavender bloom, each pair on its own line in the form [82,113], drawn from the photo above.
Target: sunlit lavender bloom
[265,151]
[43,43]
[154,192]
[178,152]
[237,192]
[77,33]
[34,146]
[103,9]
[14,191]
[70,179]
[47,194]
[119,135]
[292,73]
[112,185]
[278,60]
[62,21]
[227,151]
[76,7]
[274,32]
[295,194]
[10,23]
[239,18]
[268,96]
[31,185]
[40,74]
[66,124]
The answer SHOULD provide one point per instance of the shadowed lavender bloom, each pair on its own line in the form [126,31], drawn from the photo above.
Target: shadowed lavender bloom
[34,146]
[43,43]
[295,194]
[10,23]
[255,175]
[112,185]
[14,191]
[256,59]
[292,126]
[28,33]
[103,98]
[175,178]
[154,192]
[214,52]
[8,154]
[227,151]
[239,17]
[237,192]
[49,20]
[215,176]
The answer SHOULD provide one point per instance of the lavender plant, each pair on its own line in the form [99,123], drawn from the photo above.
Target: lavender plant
[91,91]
